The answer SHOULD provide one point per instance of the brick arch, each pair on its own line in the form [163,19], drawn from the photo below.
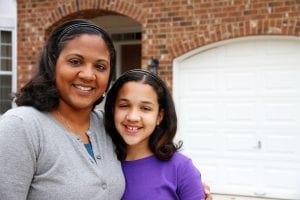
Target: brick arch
[91,9]
[235,30]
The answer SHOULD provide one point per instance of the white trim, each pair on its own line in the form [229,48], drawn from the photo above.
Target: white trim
[13,71]
[6,73]
[8,14]
[6,22]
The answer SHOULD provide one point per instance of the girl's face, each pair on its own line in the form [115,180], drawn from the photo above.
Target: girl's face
[136,113]
[82,71]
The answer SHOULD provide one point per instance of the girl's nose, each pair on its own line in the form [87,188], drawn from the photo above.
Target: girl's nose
[133,116]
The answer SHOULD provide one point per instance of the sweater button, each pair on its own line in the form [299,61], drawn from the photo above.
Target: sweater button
[104,186]
[98,157]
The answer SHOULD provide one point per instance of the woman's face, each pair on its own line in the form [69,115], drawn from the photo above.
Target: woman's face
[82,71]
[136,113]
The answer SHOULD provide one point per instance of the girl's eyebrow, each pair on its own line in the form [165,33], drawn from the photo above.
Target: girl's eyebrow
[122,99]
[143,102]
[148,102]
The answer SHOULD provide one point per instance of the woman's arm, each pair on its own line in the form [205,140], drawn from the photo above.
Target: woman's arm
[17,159]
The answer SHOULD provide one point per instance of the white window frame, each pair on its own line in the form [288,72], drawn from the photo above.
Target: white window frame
[8,22]
[13,71]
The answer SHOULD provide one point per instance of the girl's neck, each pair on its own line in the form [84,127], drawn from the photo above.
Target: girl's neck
[136,153]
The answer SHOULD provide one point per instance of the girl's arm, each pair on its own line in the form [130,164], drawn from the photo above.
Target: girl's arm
[208,195]
[190,183]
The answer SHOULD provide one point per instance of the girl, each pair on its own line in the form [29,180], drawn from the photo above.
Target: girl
[141,119]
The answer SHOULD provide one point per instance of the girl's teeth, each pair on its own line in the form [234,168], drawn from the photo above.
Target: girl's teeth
[132,128]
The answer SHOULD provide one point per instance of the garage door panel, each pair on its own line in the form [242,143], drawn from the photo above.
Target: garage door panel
[280,113]
[231,143]
[238,111]
[280,48]
[239,172]
[220,175]
[280,81]
[284,179]
[241,143]
[209,169]
[204,140]
[231,112]
[239,115]
[234,174]
[244,52]
[202,111]
[275,148]
[237,82]
[205,84]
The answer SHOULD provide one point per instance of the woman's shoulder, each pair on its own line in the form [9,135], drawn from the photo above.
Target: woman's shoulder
[98,113]
[97,120]
[24,112]
[22,122]
[24,116]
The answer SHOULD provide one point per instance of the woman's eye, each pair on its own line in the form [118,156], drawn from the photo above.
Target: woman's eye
[75,62]
[101,67]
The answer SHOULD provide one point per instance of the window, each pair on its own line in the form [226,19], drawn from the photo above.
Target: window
[117,37]
[6,70]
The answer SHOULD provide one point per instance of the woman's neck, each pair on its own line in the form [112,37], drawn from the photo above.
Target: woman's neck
[76,121]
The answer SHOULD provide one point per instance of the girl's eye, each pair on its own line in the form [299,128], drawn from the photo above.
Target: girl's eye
[145,108]
[122,105]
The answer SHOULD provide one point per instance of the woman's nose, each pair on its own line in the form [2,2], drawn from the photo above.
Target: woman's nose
[87,73]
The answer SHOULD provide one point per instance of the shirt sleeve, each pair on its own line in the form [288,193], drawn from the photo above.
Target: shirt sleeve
[17,160]
[189,182]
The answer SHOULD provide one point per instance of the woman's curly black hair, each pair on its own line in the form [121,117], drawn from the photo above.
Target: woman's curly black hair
[41,92]
[161,140]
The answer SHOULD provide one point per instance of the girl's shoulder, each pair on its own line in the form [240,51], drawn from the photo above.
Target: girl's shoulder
[180,157]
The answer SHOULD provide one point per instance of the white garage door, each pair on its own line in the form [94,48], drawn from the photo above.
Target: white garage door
[238,105]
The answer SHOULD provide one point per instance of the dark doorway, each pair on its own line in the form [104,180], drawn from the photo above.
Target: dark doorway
[131,57]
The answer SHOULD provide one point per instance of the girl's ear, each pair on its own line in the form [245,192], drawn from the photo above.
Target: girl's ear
[160,116]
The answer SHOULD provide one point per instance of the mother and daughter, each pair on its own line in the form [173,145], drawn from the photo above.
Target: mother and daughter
[56,145]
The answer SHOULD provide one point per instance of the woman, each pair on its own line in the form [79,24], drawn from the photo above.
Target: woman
[42,142]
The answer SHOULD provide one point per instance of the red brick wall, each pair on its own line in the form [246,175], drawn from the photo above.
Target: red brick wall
[170,27]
